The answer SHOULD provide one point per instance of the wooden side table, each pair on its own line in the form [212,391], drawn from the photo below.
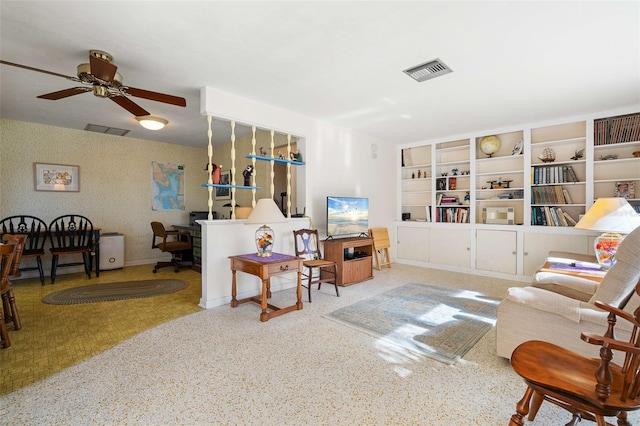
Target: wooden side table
[264,268]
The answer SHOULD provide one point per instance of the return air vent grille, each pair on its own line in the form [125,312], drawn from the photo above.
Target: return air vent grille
[106,130]
[428,70]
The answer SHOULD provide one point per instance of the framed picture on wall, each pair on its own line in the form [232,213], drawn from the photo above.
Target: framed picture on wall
[224,193]
[56,177]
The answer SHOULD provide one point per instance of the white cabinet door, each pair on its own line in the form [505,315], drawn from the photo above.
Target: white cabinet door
[450,246]
[496,251]
[413,243]
[538,245]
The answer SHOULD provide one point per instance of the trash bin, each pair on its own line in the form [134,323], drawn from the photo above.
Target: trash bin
[111,251]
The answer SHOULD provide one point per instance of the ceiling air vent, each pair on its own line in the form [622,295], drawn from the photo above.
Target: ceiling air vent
[106,130]
[428,70]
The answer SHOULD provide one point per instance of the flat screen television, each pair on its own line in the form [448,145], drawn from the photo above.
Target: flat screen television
[347,216]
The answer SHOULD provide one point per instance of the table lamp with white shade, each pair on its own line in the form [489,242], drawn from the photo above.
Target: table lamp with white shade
[265,211]
[615,218]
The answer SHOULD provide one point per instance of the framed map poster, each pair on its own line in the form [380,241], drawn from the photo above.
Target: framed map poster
[167,183]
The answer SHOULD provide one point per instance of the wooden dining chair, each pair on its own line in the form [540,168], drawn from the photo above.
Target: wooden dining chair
[7,252]
[307,246]
[8,299]
[70,234]
[37,232]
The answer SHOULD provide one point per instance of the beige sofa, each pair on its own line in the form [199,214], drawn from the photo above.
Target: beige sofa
[558,310]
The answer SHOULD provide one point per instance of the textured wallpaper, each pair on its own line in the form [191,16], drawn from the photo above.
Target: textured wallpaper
[115,180]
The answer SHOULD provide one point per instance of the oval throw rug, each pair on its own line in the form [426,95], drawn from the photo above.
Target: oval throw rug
[114,291]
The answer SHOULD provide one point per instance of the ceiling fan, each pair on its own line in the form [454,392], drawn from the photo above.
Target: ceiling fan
[105,82]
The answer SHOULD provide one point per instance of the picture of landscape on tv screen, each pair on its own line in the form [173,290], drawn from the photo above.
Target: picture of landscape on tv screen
[347,216]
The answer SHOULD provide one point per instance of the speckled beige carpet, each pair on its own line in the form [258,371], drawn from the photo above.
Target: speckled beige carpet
[437,322]
[222,366]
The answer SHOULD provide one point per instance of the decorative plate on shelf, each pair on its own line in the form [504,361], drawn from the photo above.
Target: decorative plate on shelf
[517,149]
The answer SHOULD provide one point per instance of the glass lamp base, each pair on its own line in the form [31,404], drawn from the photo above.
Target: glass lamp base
[605,247]
[264,241]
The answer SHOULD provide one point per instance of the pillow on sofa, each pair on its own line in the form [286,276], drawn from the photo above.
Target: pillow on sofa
[567,285]
[622,278]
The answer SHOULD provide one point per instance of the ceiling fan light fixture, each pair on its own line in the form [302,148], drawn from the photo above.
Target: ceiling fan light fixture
[152,123]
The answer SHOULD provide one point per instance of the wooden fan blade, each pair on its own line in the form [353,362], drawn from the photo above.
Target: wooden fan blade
[129,105]
[155,96]
[68,77]
[101,69]
[54,96]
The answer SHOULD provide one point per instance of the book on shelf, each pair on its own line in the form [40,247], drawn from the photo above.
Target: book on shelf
[569,219]
[567,196]
[550,216]
[544,175]
[448,200]
[553,194]
[561,218]
[452,214]
[620,129]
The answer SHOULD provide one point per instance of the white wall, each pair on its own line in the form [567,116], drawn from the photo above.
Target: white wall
[338,162]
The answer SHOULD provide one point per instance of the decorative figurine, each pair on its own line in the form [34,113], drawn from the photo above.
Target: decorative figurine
[419,174]
[295,156]
[454,172]
[263,152]
[280,156]
[578,154]
[609,157]
[215,172]
[247,173]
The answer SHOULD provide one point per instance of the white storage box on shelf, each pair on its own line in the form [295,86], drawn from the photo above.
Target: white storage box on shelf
[111,251]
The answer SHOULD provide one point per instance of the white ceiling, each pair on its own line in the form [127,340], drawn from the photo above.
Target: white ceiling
[513,62]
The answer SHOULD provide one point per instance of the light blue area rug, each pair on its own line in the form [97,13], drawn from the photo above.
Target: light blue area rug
[439,323]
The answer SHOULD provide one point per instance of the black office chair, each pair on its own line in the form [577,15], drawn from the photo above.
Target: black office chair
[36,231]
[71,235]
[175,242]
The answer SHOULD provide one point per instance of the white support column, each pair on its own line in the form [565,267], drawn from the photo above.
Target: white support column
[253,164]
[289,176]
[273,173]
[210,169]
[233,169]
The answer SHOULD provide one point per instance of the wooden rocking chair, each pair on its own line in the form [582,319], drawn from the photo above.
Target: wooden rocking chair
[589,388]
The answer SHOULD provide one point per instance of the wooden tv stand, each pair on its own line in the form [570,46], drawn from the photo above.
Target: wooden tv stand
[350,270]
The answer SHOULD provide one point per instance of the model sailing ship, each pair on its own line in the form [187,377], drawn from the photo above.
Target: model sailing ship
[547,156]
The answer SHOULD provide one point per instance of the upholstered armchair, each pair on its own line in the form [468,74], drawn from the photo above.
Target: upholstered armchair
[559,310]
